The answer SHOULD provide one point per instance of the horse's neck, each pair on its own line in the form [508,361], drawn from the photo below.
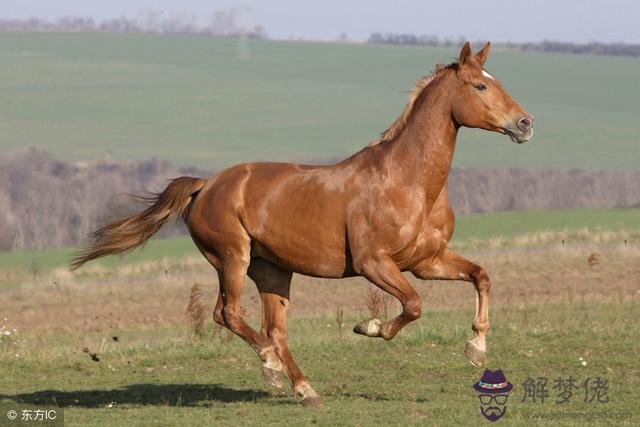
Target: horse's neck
[424,150]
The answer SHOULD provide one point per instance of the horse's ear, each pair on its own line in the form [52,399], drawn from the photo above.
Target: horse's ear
[482,56]
[465,54]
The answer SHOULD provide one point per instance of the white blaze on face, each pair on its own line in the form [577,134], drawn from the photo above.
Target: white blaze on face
[487,75]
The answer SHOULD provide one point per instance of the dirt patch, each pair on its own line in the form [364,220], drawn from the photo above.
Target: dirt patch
[159,297]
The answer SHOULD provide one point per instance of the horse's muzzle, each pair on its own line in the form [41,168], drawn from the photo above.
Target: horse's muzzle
[522,131]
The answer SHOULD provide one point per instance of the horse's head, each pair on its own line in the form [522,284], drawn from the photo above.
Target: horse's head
[482,101]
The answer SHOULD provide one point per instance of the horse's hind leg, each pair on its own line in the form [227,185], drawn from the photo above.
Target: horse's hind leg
[273,284]
[269,280]
[228,311]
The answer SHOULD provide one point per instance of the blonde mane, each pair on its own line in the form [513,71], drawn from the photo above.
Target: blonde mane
[401,122]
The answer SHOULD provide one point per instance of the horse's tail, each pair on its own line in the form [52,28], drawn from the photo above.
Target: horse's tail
[133,231]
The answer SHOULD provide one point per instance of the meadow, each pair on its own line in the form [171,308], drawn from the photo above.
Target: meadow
[113,344]
[165,376]
[565,296]
[208,102]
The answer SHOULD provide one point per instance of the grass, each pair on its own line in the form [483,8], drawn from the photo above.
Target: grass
[192,100]
[513,223]
[471,230]
[47,259]
[421,377]
[552,311]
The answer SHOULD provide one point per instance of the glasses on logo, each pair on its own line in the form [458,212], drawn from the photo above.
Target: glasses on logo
[486,399]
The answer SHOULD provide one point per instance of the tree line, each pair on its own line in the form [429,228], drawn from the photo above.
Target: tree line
[225,23]
[549,46]
[47,202]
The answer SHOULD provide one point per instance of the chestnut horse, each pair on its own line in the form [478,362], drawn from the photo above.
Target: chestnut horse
[378,213]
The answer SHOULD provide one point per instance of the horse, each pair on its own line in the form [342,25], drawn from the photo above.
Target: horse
[381,212]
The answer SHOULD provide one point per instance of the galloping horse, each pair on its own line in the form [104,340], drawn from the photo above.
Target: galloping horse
[380,212]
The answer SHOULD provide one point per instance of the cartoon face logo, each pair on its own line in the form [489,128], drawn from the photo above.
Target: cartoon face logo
[493,389]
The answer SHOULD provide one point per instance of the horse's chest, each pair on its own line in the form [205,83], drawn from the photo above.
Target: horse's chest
[421,236]
[405,232]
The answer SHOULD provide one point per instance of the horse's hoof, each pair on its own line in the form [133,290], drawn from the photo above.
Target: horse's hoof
[370,328]
[474,354]
[312,402]
[273,377]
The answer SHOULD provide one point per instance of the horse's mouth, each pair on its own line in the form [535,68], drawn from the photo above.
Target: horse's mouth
[519,137]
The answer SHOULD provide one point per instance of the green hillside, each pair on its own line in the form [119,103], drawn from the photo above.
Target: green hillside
[193,101]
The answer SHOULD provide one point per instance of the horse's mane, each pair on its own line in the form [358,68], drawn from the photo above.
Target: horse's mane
[401,122]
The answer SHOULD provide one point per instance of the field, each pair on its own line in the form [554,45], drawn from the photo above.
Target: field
[552,310]
[112,343]
[196,102]
[562,297]
[167,377]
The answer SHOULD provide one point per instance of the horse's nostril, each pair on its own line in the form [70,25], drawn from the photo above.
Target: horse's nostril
[525,123]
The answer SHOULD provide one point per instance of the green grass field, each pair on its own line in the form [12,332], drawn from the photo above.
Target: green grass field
[510,224]
[475,227]
[191,100]
[166,377]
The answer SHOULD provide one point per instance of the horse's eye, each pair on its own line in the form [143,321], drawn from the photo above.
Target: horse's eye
[480,87]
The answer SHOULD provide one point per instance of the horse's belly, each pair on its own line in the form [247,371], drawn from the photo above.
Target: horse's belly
[304,256]
[293,221]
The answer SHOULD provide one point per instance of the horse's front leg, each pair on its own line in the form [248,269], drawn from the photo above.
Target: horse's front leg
[451,266]
[384,273]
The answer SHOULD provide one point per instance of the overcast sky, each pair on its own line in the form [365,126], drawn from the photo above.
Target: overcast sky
[497,20]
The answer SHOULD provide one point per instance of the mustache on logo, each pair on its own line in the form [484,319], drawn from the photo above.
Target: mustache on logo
[493,413]
[493,410]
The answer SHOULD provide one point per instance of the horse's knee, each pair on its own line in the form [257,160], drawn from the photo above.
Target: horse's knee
[412,310]
[482,281]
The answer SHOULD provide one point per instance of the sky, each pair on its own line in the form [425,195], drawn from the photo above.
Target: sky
[497,20]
